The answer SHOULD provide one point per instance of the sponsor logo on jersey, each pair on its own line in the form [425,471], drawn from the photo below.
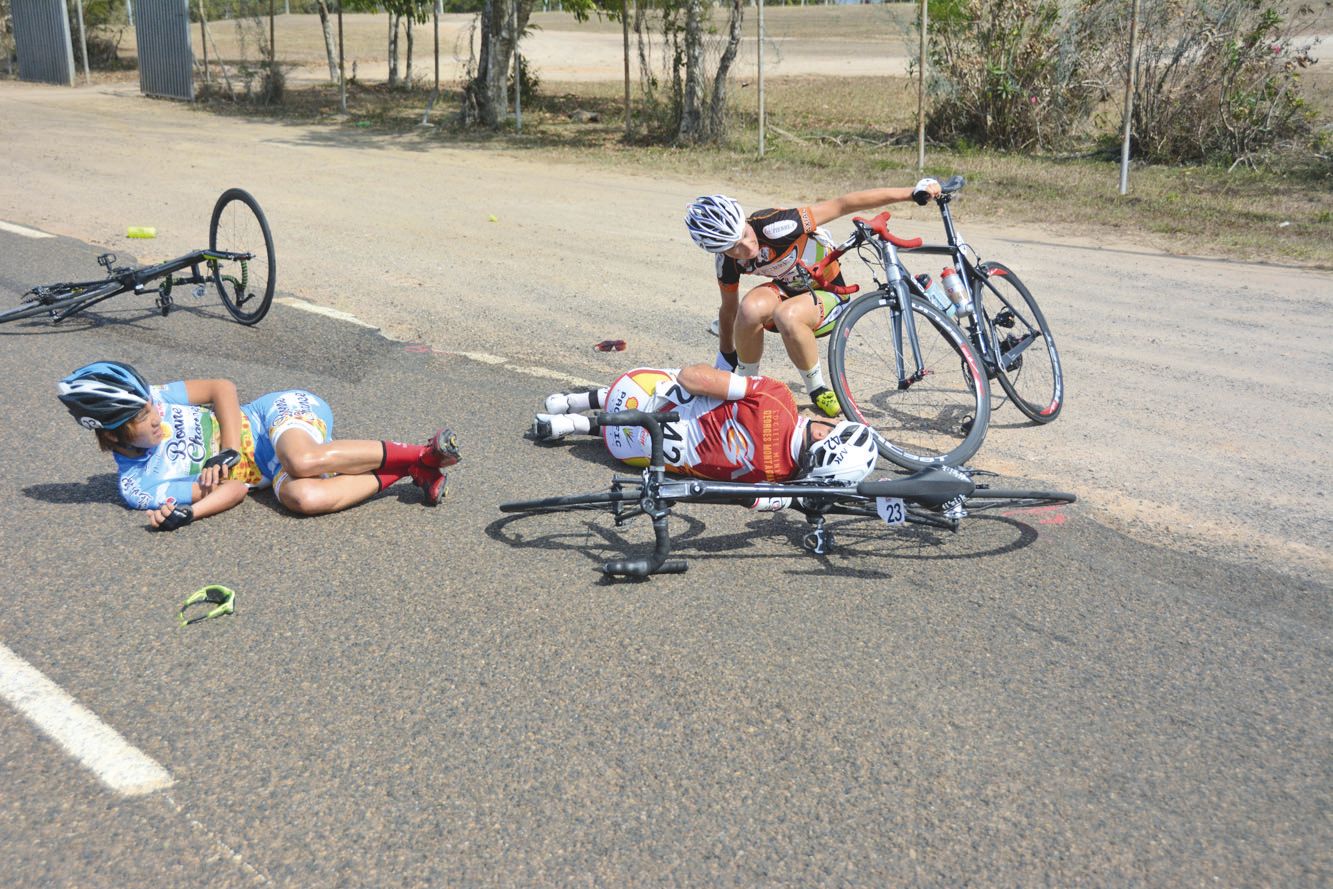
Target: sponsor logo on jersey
[129,487]
[780,229]
[185,442]
[782,267]
[738,446]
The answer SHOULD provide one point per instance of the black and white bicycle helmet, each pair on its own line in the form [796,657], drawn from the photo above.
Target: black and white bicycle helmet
[847,454]
[104,394]
[715,222]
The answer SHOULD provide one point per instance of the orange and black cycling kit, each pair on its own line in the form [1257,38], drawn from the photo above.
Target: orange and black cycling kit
[787,239]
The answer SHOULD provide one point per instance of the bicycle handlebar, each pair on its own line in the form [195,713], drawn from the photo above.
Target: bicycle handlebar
[864,229]
[643,419]
[657,563]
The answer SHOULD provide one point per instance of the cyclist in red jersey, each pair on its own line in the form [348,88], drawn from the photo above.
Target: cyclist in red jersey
[731,428]
[773,244]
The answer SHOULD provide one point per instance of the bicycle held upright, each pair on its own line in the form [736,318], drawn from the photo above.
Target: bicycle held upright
[1005,325]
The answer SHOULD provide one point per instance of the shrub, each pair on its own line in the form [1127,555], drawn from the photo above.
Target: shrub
[1218,81]
[1015,74]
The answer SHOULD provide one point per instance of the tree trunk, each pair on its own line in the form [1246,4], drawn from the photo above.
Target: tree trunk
[329,48]
[715,126]
[393,50]
[691,107]
[489,89]
[408,25]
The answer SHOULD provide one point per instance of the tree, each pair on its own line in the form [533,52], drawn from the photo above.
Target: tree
[696,108]
[329,48]
[486,95]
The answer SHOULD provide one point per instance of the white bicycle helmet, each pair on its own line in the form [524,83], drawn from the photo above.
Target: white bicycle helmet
[847,454]
[715,222]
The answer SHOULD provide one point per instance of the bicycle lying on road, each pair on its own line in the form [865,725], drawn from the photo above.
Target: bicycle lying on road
[940,497]
[239,263]
[927,396]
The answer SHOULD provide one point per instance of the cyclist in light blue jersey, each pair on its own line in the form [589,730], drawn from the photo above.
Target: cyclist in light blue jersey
[190,449]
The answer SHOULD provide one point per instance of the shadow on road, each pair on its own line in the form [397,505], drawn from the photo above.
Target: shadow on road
[97,489]
[862,548]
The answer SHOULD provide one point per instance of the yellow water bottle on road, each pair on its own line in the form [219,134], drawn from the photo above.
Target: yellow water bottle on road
[141,231]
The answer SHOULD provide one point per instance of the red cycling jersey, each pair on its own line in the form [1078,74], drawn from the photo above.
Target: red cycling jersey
[756,438]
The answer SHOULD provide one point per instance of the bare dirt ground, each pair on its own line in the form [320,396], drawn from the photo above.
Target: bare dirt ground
[1198,390]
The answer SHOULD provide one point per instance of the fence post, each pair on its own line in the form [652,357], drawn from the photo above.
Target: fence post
[624,31]
[760,48]
[83,41]
[1129,99]
[921,93]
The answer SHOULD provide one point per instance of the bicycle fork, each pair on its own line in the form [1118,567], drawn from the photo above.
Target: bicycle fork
[903,320]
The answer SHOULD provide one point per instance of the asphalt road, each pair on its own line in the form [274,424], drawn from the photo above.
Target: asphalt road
[451,696]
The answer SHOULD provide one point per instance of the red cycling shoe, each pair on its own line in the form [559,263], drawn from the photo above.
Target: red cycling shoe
[434,484]
[441,450]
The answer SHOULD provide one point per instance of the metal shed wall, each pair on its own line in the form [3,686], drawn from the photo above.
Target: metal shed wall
[166,60]
[41,34]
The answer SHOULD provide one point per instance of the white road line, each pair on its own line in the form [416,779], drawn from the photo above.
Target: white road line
[92,742]
[20,230]
[317,309]
[483,357]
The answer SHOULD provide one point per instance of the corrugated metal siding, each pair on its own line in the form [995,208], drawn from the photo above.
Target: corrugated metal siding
[41,32]
[166,61]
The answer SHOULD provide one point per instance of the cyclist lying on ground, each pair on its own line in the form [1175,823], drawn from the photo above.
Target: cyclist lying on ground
[731,428]
[773,243]
[171,444]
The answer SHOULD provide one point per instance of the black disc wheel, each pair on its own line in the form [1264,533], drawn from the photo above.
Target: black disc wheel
[243,267]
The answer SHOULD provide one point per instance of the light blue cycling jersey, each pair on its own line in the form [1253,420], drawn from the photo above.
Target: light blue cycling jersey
[192,435]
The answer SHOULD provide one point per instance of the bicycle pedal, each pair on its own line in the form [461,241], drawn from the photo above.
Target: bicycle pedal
[540,431]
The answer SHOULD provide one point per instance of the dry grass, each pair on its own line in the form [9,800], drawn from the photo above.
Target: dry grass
[832,134]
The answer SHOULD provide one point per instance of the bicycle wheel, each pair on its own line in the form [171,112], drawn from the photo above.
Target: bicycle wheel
[1028,365]
[57,299]
[999,498]
[245,285]
[572,501]
[931,417]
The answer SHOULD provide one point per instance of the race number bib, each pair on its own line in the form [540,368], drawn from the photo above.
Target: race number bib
[891,510]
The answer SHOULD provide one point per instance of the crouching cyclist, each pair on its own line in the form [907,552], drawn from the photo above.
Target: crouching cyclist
[190,449]
[780,244]
[731,428]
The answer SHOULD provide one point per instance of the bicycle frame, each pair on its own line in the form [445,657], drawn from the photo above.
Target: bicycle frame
[137,280]
[944,488]
[980,325]
[898,286]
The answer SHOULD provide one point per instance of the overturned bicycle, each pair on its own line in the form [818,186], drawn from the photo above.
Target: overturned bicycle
[940,497]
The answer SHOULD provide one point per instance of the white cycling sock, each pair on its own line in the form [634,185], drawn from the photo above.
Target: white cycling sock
[746,369]
[814,378]
[574,402]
